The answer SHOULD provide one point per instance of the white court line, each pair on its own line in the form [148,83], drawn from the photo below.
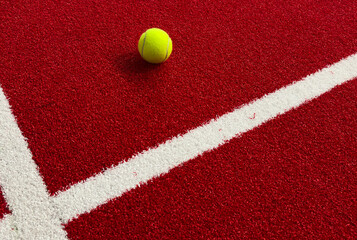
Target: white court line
[33,215]
[97,190]
[7,228]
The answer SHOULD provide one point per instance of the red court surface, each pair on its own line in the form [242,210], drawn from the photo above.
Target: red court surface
[3,206]
[85,101]
[294,177]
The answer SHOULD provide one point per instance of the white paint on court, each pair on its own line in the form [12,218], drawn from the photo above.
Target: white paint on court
[33,215]
[99,189]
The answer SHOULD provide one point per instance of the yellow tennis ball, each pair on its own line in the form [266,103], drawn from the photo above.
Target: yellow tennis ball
[155,45]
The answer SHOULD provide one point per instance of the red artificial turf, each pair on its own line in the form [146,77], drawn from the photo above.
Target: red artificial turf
[3,206]
[292,178]
[85,100]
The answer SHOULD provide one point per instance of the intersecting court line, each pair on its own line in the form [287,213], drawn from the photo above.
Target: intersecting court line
[112,183]
[33,214]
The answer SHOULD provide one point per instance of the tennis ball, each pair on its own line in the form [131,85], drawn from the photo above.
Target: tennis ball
[155,45]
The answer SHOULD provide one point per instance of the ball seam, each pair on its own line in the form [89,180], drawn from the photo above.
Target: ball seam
[167,48]
[142,48]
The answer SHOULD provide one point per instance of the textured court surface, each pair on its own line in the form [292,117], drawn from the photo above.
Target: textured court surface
[86,105]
